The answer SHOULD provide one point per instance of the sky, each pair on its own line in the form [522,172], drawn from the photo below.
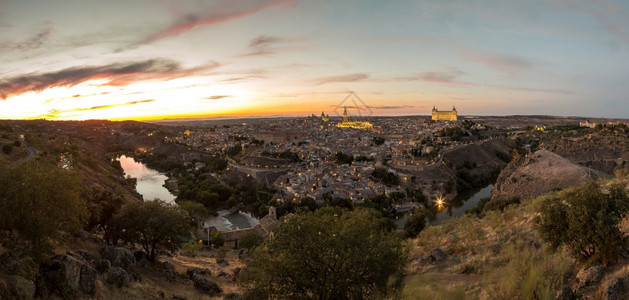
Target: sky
[157,59]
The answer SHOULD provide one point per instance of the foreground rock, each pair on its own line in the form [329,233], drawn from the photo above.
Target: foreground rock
[118,256]
[118,277]
[614,290]
[207,286]
[538,174]
[67,271]
[590,276]
[16,287]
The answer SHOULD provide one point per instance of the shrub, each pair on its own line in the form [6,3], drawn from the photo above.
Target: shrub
[7,149]
[154,225]
[328,254]
[37,199]
[414,224]
[217,239]
[250,240]
[586,220]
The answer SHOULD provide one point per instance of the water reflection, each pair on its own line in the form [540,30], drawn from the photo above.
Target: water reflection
[452,209]
[150,183]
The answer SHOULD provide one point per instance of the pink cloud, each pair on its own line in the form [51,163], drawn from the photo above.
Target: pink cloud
[225,11]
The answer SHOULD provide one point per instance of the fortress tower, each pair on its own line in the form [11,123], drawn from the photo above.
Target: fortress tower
[444,115]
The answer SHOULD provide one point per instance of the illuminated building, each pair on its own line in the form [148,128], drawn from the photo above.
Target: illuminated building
[353,124]
[324,117]
[444,115]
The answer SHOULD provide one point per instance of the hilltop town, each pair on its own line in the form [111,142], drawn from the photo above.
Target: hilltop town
[280,167]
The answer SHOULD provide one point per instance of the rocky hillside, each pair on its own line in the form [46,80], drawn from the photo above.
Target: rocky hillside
[502,256]
[538,174]
[85,268]
[461,167]
[603,150]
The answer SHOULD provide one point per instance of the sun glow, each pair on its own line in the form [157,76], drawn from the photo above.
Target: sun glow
[96,99]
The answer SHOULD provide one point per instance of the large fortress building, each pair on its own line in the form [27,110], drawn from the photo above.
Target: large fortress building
[448,115]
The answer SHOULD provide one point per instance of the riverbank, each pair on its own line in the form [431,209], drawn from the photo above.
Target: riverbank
[150,183]
[455,208]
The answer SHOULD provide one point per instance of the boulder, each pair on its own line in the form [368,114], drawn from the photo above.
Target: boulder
[426,259]
[438,254]
[69,270]
[118,276]
[201,271]
[614,290]
[179,297]
[102,265]
[565,293]
[221,274]
[168,270]
[16,287]
[89,257]
[232,296]
[118,256]
[589,276]
[207,286]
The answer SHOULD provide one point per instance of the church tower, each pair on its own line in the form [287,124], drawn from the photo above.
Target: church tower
[345,117]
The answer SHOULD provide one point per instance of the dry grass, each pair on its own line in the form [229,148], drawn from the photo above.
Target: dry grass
[498,257]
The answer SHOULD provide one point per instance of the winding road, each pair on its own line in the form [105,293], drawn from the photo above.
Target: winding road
[31,151]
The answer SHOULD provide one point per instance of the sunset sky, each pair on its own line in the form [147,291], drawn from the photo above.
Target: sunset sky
[154,59]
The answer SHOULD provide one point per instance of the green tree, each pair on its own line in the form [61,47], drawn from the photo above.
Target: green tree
[234,150]
[414,224]
[154,225]
[37,199]
[7,149]
[196,210]
[102,204]
[217,239]
[331,253]
[586,220]
[250,240]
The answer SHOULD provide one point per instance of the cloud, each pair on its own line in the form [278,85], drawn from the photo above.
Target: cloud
[452,75]
[56,112]
[263,45]
[35,41]
[392,107]
[500,62]
[342,78]
[117,74]
[224,11]
[217,97]
[384,107]
[447,76]
[610,16]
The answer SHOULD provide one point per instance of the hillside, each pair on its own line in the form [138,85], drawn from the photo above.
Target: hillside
[601,149]
[538,174]
[501,256]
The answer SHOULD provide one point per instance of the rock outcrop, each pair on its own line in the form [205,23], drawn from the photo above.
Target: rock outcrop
[538,174]
[68,271]
[118,276]
[590,276]
[207,286]
[118,256]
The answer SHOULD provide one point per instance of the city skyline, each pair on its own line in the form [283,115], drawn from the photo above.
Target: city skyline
[161,59]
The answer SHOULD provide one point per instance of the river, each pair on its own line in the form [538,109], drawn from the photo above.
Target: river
[150,183]
[452,209]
